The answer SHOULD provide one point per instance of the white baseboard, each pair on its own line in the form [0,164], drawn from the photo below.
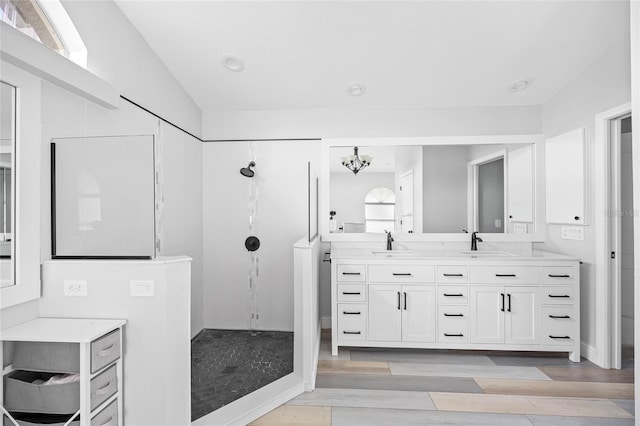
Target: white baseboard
[258,403]
[589,352]
[326,322]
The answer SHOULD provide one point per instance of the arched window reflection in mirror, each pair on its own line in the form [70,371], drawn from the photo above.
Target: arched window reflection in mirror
[7,183]
[379,210]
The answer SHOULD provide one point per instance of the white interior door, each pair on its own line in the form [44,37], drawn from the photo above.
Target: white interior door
[406,202]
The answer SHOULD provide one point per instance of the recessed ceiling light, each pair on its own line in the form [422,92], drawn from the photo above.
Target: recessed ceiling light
[357,89]
[232,63]
[519,85]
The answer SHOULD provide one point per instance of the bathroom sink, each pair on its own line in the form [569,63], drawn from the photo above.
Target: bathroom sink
[487,253]
[394,253]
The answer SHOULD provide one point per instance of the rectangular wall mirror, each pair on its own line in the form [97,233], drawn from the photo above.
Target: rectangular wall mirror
[7,183]
[433,188]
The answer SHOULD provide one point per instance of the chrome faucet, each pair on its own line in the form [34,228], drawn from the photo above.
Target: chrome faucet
[474,241]
[389,240]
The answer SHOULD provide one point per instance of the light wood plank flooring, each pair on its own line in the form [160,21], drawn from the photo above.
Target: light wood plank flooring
[367,386]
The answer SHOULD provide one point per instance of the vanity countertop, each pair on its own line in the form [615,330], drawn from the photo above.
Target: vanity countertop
[369,254]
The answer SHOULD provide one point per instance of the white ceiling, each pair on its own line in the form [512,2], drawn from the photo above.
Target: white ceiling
[305,54]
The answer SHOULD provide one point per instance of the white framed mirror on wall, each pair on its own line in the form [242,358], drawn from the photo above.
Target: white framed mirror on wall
[7,183]
[20,196]
[437,187]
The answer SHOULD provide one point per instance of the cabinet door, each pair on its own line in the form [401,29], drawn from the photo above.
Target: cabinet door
[520,184]
[384,312]
[418,313]
[564,169]
[522,319]
[487,315]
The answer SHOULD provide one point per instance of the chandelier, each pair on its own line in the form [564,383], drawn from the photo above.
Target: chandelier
[354,162]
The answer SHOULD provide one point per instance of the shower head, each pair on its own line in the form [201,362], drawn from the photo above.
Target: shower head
[246,171]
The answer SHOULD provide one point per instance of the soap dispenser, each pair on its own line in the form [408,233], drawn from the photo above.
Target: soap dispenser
[333,225]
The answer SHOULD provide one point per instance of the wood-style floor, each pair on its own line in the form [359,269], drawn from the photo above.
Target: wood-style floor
[365,386]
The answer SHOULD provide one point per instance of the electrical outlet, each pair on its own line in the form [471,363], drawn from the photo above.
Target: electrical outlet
[572,233]
[140,288]
[75,288]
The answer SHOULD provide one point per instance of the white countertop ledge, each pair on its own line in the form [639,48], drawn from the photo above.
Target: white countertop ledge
[445,254]
[157,260]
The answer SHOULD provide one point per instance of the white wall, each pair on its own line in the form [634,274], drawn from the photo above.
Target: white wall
[602,86]
[348,192]
[281,174]
[371,122]
[445,188]
[118,54]
[157,348]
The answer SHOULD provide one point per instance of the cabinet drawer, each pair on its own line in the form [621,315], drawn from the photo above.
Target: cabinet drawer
[23,395]
[103,386]
[558,326]
[504,274]
[558,275]
[453,295]
[402,273]
[105,350]
[352,293]
[452,274]
[108,416]
[453,324]
[557,295]
[352,321]
[351,273]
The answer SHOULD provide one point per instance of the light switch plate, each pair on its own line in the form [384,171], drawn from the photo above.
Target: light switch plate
[519,228]
[572,233]
[75,288]
[142,288]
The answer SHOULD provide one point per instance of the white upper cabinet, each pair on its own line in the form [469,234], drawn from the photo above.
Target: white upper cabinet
[520,184]
[565,180]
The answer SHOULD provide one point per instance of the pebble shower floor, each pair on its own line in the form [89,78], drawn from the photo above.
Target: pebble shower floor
[229,364]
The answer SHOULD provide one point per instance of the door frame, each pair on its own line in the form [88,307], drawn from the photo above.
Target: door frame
[401,209]
[472,187]
[607,353]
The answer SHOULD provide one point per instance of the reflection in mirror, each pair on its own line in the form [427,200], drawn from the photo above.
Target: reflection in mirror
[438,188]
[7,186]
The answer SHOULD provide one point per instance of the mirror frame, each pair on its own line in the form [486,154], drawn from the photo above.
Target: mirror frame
[13,195]
[27,217]
[536,140]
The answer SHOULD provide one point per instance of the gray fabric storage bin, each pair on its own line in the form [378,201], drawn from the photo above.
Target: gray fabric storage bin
[20,394]
[47,356]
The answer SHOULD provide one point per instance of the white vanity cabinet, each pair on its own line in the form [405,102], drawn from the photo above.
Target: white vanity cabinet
[526,303]
[44,347]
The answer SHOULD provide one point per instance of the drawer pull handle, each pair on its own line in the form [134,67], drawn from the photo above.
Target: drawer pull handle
[453,275]
[351,313]
[351,332]
[559,276]
[506,275]
[401,274]
[560,295]
[559,316]
[351,273]
[108,422]
[106,351]
[351,293]
[454,335]
[102,390]
[559,337]
[454,294]
[453,315]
